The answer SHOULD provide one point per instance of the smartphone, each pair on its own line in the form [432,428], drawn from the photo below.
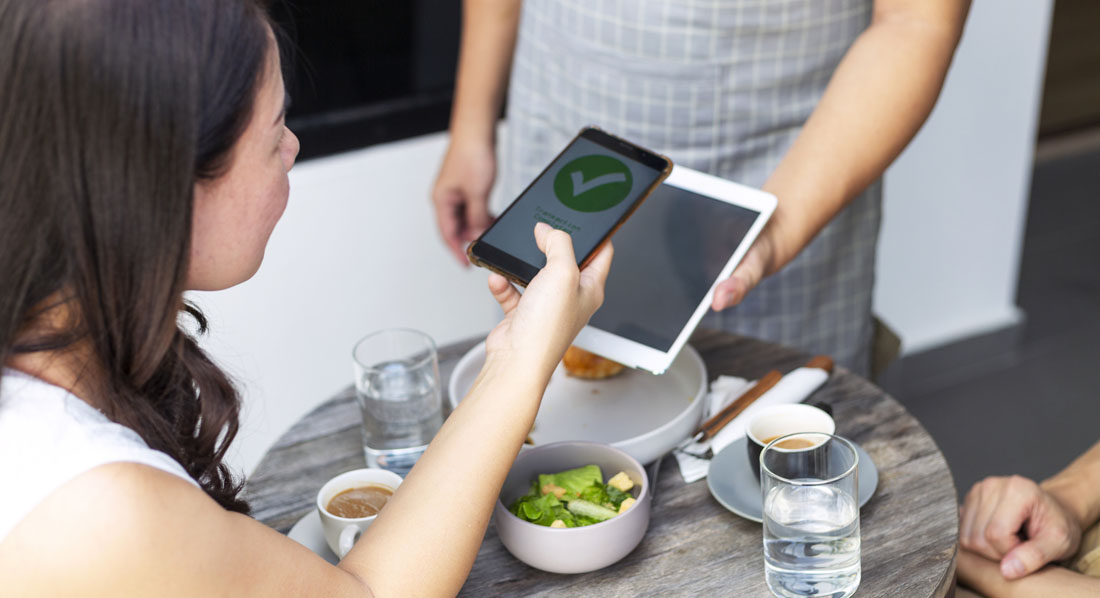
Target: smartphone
[588,191]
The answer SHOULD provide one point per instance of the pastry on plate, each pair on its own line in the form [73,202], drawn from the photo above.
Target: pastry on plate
[582,364]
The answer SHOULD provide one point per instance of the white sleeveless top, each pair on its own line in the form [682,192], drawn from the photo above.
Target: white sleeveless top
[48,436]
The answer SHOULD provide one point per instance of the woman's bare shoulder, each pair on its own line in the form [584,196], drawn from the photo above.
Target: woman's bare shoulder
[130,529]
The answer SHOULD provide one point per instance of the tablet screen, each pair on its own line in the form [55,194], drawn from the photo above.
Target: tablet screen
[667,256]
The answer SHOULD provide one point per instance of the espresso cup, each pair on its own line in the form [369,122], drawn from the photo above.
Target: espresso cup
[341,533]
[780,420]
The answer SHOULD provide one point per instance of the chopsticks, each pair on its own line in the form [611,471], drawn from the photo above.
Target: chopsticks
[726,415]
[713,425]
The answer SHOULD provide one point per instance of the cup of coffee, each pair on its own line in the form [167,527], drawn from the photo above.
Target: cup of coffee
[775,421]
[349,503]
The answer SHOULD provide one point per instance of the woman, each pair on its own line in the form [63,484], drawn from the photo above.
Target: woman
[143,153]
[808,99]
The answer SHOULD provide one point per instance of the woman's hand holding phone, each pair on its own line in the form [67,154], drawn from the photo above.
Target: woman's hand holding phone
[540,324]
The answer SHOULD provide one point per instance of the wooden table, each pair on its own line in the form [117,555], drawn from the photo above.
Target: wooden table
[694,547]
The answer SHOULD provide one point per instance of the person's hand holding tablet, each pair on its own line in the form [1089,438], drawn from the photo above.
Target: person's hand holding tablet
[688,235]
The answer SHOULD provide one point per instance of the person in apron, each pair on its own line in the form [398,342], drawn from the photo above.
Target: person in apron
[808,99]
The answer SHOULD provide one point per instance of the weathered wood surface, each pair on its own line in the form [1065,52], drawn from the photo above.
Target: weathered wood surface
[694,547]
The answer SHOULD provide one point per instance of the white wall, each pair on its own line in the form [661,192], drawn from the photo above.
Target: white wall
[357,249]
[355,252]
[956,199]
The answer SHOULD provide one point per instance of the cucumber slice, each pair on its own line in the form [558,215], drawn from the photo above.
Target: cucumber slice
[587,509]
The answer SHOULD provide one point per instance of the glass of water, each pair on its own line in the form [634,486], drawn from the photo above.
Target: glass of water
[397,386]
[810,485]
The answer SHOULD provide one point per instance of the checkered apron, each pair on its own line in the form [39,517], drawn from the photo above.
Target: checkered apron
[722,86]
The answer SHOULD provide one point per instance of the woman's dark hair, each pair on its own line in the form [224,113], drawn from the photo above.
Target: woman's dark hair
[110,112]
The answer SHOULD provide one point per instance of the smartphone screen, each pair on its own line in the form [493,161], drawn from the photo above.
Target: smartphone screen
[586,191]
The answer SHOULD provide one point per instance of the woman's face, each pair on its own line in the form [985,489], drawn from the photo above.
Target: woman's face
[235,213]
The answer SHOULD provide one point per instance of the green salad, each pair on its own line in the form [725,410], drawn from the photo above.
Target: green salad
[574,498]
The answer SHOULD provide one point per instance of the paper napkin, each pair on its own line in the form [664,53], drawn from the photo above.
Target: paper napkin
[792,388]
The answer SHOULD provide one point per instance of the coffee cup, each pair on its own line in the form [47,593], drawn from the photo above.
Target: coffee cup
[775,421]
[341,533]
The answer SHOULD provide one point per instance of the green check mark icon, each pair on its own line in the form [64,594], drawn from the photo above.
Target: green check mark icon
[593,183]
[580,185]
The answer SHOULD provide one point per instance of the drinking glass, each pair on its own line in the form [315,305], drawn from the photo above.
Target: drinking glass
[810,485]
[397,387]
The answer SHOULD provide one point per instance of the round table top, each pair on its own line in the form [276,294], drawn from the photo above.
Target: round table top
[693,546]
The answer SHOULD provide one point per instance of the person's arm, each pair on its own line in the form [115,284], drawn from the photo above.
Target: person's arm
[984,575]
[461,191]
[1077,487]
[128,529]
[449,496]
[881,93]
[1051,516]
[1013,521]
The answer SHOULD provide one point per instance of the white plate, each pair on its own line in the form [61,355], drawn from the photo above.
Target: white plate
[732,483]
[642,414]
[308,533]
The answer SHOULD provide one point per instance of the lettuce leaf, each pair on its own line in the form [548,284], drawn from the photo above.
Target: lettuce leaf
[616,496]
[596,501]
[575,481]
[595,494]
[542,509]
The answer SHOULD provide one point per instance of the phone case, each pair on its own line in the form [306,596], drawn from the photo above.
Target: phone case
[474,259]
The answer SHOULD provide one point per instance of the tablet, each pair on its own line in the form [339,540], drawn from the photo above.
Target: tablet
[686,237]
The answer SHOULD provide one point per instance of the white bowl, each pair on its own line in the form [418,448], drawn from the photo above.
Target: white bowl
[638,412]
[577,549]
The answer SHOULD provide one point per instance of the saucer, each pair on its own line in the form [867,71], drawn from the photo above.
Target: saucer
[732,484]
[308,533]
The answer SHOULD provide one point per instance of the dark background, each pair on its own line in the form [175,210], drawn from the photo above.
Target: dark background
[362,72]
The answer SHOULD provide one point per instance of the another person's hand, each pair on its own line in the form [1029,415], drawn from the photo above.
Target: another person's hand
[759,261]
[1014,521]
[460,195]
[541,323]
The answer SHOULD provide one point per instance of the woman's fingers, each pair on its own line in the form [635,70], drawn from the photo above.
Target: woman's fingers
[556,244]
[560,257]
[594,275]
[503,291]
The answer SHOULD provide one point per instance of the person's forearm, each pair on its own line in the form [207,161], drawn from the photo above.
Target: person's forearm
[1077,487]
[984,575]
[428,540]
[881,93]
[488,42]
[1054,581]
